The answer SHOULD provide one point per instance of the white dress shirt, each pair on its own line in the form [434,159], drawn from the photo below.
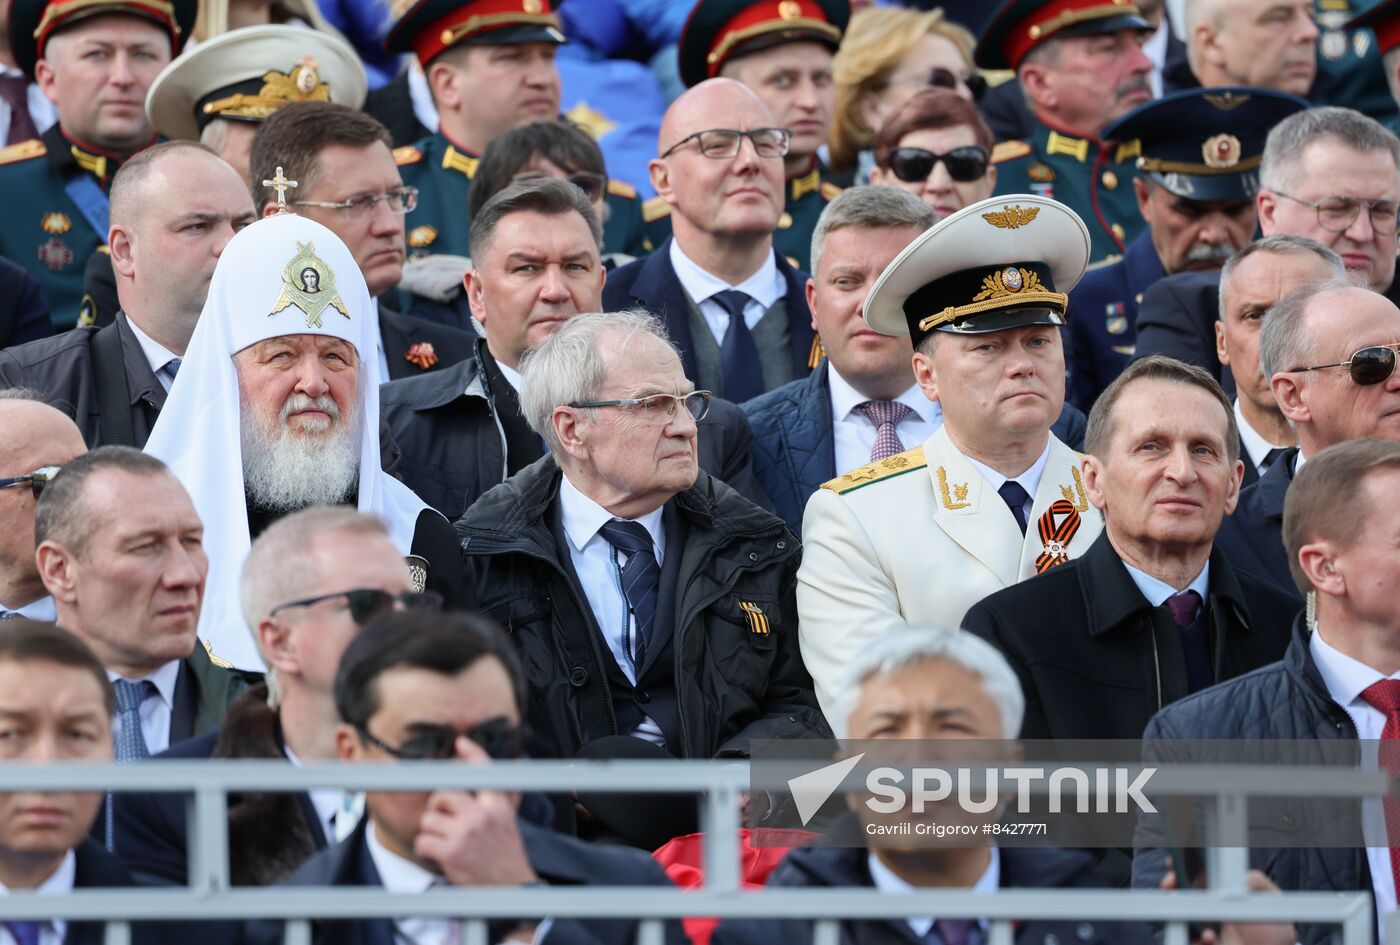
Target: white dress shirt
[157,354]
[763,288]
[1345,679]
[59,883]
[41,111]
[1256,448]
[338,811]
[155,711]
[1157,591]
[1155,49]
[887,881]
[512,376]
[598,566]
[41,609]
[406,877]
[854,432]
[1029,480]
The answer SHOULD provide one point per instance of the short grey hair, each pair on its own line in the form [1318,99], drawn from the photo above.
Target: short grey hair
[906,646]
[571,366]
[1284,340]
[22,393]
[1280,244]
[1283,149]
[548,196]
[870,208]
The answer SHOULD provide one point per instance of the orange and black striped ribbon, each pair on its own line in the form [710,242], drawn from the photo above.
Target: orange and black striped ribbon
[1056,538]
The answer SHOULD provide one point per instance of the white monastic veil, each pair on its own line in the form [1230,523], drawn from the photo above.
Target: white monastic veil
[197,433]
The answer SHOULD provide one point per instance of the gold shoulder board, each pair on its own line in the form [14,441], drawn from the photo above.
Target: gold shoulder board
[621,189]
[886,468]
[1106,261]
[23,151]
[1009,150]
[654,209]
[830,191]
[407,154]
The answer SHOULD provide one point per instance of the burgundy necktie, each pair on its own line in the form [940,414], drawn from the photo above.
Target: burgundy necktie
[1384,697]
[886,415]
[954,931]
[1184,607]
[14,89]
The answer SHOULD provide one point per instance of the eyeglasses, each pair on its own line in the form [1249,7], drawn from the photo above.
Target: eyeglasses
[1337,214]
[724,143]
[592,185]
[941,78]
[399,200]
[365,603]
[657,408]
[1368,366]
[500,738]
[37,480]
[914,165]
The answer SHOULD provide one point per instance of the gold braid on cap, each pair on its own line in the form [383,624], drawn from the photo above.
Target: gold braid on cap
[1001,289]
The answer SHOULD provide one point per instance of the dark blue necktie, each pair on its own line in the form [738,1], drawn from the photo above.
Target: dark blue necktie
[738,354]
[641,577]
[24,933]
[1015,496]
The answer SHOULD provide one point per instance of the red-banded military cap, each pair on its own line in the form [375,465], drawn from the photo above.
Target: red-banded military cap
[428,28]
[1383,19]
[719,30]
[1021,25]
[33,22]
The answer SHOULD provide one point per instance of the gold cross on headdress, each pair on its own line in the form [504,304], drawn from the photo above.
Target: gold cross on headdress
[280,184]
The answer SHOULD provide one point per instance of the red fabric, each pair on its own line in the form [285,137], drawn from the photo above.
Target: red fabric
[683,859]
[763,17]
[1384,696]
[429,41]
[1024,36]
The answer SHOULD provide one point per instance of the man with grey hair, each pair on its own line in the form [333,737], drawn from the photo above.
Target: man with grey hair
[1250,283]
[38,441]
[861,403]
[174,208]
[648,598]
[1266,44]
[1329,351]
[1153,610]
[309,582]
[460,430]
[1322,168]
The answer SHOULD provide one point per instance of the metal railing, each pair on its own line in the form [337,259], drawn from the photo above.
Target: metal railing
[210,896]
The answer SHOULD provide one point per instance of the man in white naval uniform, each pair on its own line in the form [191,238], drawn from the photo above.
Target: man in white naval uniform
[992,497]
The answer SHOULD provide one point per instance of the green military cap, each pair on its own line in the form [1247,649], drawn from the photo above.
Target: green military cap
[33,22]
[249,73]
[719,30]
[1005,262]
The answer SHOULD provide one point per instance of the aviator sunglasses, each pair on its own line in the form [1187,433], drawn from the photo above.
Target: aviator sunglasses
[1367,366]
[913,165]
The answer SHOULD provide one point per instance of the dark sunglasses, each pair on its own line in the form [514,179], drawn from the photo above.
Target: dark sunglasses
[914,165]
[499,737]
[592,185]
[365,603]
[941,78]
[1368,366]
[36,480]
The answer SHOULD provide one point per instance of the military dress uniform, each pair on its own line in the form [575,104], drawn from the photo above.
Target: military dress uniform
[807,196]
[919,537]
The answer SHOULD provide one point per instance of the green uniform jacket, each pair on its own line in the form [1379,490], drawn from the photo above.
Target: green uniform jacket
[42,229]
[443,174]
[807,196]
[1093,178]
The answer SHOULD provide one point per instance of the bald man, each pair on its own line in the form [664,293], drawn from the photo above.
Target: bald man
[734,307]
[174,208]
[37,439]
[1268,44]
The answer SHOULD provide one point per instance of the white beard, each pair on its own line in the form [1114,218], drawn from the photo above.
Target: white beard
[285,471]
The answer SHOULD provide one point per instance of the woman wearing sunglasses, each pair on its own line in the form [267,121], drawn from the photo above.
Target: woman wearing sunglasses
[563,150]
[938,148]
[887,56]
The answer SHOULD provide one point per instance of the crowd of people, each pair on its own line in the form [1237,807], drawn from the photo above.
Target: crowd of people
[369,393]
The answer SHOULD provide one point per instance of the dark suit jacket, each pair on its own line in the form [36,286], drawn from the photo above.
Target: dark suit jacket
[1096,660]
[1252,536]
[453,449]
[401,332]
[794,446]
[97,869]
[1103,310]
[24,315]
[559,861]
[651,283]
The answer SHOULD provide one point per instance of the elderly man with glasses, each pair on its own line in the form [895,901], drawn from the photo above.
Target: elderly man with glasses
[733,305]
[309,583]
[647,598]
[347,181]
[1329,350]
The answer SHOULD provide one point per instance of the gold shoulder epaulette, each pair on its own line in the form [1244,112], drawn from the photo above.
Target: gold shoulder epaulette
[23,151]
[1106,261]
[621,189]
[886,468]
[830,191]
[407,154]
[654,209]
[1009,151]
